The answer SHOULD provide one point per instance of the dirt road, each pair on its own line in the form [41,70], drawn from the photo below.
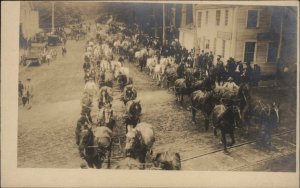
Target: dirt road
[46,136]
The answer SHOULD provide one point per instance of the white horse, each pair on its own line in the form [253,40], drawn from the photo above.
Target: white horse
[151,63]
[105,65]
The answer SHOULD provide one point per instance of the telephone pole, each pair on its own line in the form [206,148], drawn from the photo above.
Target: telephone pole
[164,25]
[280,35]
[52,18]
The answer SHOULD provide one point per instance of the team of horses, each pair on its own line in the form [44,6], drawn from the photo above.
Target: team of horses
[102,70]
[224,108]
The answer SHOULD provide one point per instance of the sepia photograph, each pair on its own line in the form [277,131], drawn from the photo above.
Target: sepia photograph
[153,86]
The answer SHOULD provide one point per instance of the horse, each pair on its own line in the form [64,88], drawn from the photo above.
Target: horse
[129,93]
[225,119]
[106,117]
[94,145]
[90,87]
[244,94]
[139,142]
[167,161]
[183,87]
[150,64]
[262,114]
[123,80]
[132,114]
[170,74]
[202,101]
[105,96]
[159,71]
[207,84]
[86,100]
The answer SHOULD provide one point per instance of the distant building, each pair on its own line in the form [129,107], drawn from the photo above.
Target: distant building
[186,31]
[29,20]
[186,36]
[246,33]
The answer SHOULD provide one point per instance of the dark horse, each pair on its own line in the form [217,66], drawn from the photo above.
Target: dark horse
[189,85]
[105,96]
[132,114]
[123,80]
[205,102]
[94,145]
[225,119]
[129,93]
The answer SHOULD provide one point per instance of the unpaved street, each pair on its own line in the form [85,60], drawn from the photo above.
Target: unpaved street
[46,137]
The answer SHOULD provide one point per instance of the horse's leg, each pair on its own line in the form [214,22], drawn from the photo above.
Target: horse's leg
[206,123]
[126,125]
[224,141]
[193,114]
[232,138]
[181,98]
[90,163]
[215,132]
[143,159]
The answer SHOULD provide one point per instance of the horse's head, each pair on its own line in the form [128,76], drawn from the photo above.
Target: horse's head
[135,108]
[132,140]
[86,138]
[129,92]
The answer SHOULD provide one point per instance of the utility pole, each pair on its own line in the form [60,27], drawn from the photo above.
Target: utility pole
[183,16]
[280,36]
[155,23]
[195,33]
[173,21]
[52,18]
[164,25]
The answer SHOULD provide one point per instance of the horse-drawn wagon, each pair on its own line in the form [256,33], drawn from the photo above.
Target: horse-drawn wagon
[54,40]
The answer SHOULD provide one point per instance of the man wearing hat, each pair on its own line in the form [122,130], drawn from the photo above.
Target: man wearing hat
[28,90]
[20,89]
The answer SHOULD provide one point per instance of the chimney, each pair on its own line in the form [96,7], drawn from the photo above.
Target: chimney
[183,16]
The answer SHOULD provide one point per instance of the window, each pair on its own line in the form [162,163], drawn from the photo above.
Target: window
[252,19]
[218,16]
[206,17]
[223,48]
[207,44]
[226,17]
[249,51]
[272,52]
[199,18]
